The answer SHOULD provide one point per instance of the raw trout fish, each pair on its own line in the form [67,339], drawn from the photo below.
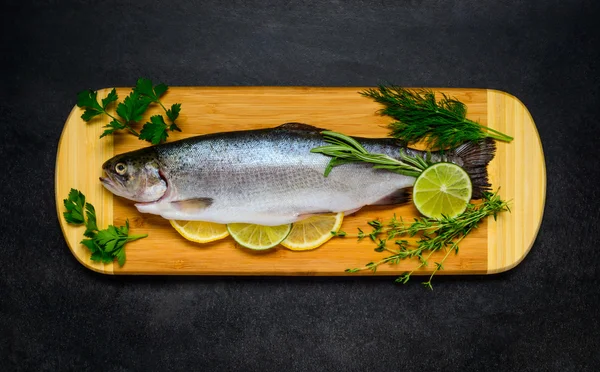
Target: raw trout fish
[268,176]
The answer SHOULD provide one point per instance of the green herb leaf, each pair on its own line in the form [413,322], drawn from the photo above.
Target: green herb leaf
[434,235]
[96,256]
[111,97]
[144,87]
[90,224]
[88,99]
[89,113]
[344,149]
[112,127]
[74,205]
[121,257]
[173,114]
[155,131]
[125,229]
[105,245]
[131,110]
[133,107]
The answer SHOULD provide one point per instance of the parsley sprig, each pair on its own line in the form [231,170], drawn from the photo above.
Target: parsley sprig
[106,245]
[433,235]
[131,110]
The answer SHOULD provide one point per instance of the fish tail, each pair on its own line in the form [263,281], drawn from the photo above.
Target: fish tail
[475,158]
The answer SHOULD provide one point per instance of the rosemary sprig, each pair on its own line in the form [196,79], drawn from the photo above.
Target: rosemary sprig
[344,149]
[419,116]
[434,235]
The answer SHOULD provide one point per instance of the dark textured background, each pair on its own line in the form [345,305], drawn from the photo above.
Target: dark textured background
[55,315]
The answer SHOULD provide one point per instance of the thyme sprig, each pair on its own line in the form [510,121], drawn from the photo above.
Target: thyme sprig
[343,149]
[433,235]
[421,117]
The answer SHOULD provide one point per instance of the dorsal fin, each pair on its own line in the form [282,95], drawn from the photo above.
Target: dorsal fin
[299,126]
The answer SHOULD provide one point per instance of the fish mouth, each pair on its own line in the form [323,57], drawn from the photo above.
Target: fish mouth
[107,182]
[111,184]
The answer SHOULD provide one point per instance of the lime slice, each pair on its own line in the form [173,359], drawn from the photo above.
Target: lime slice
[312,232]
[258,237]
[200,231]
[442,189]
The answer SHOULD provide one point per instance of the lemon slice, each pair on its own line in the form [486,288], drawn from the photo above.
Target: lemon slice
[313,232]
[200,231]
[258,237]
[442,189]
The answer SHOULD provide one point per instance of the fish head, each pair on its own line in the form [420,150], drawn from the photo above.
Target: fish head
[135,175]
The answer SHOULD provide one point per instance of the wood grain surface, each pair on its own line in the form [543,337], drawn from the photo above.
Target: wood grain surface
[518,170]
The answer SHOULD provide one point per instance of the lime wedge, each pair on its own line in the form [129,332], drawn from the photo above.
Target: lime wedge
[442,189]
[258,237]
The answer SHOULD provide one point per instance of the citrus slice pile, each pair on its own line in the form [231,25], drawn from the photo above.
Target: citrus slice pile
[303,235]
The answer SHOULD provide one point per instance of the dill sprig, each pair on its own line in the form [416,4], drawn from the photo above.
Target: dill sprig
[420,117]
[343,149]
[434,235]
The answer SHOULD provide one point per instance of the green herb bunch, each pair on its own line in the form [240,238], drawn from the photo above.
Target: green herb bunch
[105,245]
[344,149]
[131,110]
[432,235]
[421,117]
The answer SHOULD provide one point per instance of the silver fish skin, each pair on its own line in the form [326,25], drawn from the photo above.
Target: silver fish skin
[266,176]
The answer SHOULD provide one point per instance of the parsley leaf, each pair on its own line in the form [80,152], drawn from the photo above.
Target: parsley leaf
[133,107]
[87,99]
[144,87]
[155,131]
[74,206]
[120,257]
[173,114]
[111,97]
[112,127]
[104,245]
[90,224]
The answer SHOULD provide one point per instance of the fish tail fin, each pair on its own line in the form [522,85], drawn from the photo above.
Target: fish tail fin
[475,158]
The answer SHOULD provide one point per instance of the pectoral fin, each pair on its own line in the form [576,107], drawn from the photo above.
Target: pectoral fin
[192,205]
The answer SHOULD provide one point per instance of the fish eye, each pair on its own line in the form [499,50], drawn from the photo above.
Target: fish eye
[120,168]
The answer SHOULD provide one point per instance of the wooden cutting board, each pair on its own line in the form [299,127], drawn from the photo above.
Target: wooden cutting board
[518,170]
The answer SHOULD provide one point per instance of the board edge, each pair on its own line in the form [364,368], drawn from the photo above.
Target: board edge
[101,268]
[518,260]
[83,261]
